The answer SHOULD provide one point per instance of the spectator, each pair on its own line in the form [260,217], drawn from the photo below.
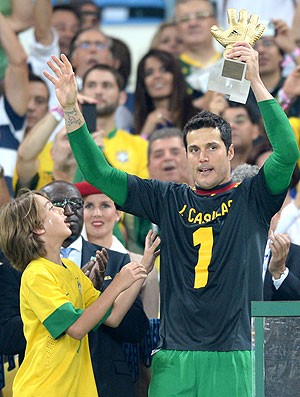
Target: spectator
[65,20]
[126,151]
[121,61]
[161,99]
[92,47]
[278,57]
[245,130]
[36,110]
[12,107]
[194,19]
[167,162]
[100,216]
[282,282]
[244,171]
[122,149]
[42,273]
[289,222]
[89,48]
[53,31]
[167,157]
[288,97]
[18,14]
[121,58]
[30,173]
[90,14]
[167,38]
[38,103]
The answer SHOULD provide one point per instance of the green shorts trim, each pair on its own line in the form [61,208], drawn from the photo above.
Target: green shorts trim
[201,374]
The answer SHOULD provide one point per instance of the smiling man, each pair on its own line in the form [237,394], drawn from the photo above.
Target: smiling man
[167,156]
[194,19]
[213,238]
[123,150]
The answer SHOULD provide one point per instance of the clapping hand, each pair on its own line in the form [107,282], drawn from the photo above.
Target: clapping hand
[279,245]
[95,268]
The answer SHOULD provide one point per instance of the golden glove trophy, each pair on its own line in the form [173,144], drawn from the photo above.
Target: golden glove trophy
[228,77]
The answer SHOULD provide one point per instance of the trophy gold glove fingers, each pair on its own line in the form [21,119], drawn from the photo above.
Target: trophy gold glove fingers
[243,18]
[253,21]
[232,17]
[219,35]
[258,32]
[216,31]
[242,30]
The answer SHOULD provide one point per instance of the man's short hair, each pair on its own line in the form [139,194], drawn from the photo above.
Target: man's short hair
[244,171]
[163,133]
[250,108]
[207,119]
[37,79]
[102,67]
[68,8]
[80,31]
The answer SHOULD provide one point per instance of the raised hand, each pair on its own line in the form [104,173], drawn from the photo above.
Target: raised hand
[291,85]
[239,30]
[154,119]
[64,82]
[284,37]
[152,241]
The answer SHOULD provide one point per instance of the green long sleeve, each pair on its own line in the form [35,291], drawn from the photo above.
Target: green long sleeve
[95,168]
[279,167]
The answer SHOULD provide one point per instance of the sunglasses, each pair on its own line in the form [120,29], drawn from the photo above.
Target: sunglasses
[75,203]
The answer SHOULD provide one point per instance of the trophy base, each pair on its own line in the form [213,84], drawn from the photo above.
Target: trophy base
[228,78]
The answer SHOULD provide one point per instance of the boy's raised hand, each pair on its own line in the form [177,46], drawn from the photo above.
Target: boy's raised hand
[151,252]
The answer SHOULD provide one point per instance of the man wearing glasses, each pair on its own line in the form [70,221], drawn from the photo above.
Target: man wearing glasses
[194,19]
[89,48]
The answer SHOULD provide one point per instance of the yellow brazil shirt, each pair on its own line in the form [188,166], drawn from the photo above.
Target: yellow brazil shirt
[52,297]
[127,152]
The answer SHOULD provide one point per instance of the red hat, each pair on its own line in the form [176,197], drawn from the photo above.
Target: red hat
[86,188]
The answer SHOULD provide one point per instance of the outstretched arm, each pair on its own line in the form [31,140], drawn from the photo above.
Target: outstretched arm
[279,167]
[89,156]
[34,142]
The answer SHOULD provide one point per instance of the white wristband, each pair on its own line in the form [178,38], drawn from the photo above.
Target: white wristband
[57,113]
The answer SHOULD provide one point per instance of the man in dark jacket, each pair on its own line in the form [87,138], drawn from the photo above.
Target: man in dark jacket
[282,334]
